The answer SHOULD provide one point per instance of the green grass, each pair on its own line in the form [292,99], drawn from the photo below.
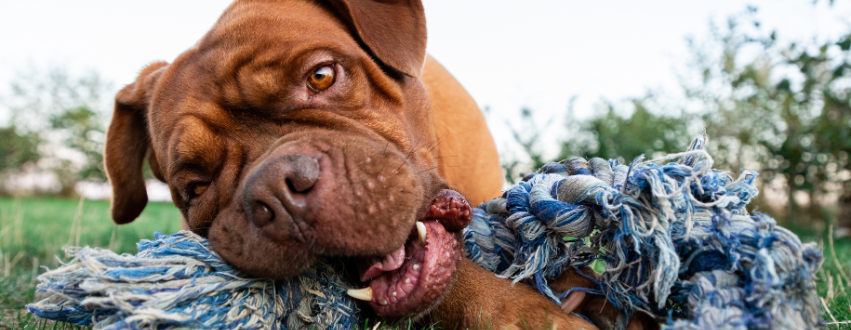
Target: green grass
[34,230]
[834,282]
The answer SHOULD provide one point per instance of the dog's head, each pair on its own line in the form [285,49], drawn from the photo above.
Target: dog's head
[298,129]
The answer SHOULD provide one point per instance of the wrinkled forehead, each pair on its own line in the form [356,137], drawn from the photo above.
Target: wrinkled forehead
[254,42]
[266,24]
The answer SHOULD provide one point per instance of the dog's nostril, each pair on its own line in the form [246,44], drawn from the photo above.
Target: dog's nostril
[262,215]
[303,172]
[278,190]
[304,188]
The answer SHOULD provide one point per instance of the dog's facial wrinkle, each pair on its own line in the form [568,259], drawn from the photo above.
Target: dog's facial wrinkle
[230,105]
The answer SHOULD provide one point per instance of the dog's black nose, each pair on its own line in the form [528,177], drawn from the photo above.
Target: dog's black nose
[275,195]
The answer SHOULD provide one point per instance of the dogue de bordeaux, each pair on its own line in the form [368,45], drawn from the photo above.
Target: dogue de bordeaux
[296,129]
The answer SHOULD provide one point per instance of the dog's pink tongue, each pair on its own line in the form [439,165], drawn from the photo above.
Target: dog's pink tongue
[378,266]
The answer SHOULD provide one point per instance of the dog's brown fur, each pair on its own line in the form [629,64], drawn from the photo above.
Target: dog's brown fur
[393,130]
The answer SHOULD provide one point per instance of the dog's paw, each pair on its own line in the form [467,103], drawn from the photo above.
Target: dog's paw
[603,314]
[595,307]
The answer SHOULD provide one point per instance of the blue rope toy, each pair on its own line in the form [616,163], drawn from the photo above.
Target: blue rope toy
[177,281]
[677,241]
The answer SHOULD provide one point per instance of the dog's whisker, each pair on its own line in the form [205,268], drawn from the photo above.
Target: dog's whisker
[383,155]
[437,142]
[427,170]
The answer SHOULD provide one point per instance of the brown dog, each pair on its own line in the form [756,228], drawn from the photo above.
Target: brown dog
[299,129]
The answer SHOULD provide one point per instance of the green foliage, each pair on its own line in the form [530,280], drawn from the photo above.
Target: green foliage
[18,149]
[785,110]
[608,136]
[60,116]
[528,136]
[642,133]
[86,135]
[782,109]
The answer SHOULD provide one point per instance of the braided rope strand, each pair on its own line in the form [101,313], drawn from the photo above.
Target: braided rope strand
[177,281]
[677,240]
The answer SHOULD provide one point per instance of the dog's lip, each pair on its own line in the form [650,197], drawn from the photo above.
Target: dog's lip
[413,278]
[420,279]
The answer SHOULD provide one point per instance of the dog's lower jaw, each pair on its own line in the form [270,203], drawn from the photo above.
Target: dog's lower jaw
[424,318]
[409,282]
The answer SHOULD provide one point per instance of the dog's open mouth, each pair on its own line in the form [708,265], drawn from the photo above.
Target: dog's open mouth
[412,279]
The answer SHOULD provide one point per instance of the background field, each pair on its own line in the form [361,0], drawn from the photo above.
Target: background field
[769,82]
[33,232]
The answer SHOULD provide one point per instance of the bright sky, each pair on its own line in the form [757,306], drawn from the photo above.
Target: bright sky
[507,55]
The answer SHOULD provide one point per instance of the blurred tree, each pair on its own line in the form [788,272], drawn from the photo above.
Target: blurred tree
[615,136]
[19,151]
[783,109]
[829,84]
[63,111]
[608,136]
[86,135]
[528,137]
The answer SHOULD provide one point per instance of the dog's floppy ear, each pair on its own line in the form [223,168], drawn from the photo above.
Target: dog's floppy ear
[127,142]
[394,30]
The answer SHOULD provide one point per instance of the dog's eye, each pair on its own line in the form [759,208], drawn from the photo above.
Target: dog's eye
[199,188]
[322,78]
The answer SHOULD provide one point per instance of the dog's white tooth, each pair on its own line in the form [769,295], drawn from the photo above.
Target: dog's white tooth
[364,294]
[407,281]
[416,266]
[421,229]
